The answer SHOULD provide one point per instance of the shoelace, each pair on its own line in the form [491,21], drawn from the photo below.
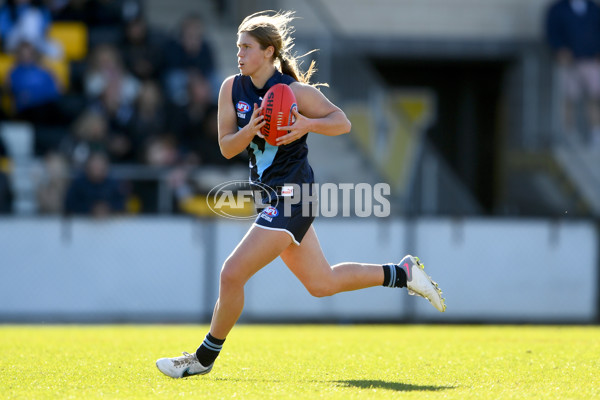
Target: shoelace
[185,360]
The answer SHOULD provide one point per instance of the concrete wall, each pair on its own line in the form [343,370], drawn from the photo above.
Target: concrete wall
[167,270]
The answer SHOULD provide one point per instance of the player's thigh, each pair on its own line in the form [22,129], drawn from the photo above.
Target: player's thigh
[258,248]
[307,260]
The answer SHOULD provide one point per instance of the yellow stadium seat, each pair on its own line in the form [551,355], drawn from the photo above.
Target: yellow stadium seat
[73,36]
[198,205]
[6,104]
[6,63]
[61,71]
[5,165]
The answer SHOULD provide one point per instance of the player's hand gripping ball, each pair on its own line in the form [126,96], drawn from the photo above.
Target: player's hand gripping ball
[277,106]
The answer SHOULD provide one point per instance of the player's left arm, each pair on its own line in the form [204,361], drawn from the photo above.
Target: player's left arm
[315,114]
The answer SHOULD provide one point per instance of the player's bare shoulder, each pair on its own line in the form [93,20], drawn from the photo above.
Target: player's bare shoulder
[227,84]
[225,94]
[303,90]
[311,101]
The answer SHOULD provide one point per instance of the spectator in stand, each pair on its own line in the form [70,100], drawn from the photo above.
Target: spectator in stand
[149,120]
[142,50]
[27,20]
[94,13]
[69,10]
[52,184]
[573,33]
[208,149]
[104,18]
[112,13]
[94,191]
[161,151]
[191,50]
[12,11]
[34,89]
[190,121]
[113,91]
[105,69]
[119,116]
[89,134]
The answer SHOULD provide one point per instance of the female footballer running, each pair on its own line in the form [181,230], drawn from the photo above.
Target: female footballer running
[264,43]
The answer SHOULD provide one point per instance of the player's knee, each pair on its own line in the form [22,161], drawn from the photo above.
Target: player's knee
[230,274]
[320,289]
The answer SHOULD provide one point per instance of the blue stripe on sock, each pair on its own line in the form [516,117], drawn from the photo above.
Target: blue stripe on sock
[210,345]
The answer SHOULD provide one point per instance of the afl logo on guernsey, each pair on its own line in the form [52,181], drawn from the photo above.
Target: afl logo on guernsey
[243,107]
[270,211]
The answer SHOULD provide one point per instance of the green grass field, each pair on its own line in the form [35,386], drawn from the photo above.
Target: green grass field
[305,362]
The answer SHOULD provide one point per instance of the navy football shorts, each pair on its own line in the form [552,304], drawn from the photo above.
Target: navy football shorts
[295,224]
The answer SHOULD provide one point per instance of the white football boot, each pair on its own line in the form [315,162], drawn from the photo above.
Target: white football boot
[420,284]
[182,366]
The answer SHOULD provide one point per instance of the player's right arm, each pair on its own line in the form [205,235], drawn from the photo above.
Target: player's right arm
[231,140]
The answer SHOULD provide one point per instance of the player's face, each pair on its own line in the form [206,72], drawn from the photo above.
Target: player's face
[250,56]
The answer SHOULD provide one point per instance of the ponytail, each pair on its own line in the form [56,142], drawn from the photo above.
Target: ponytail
[290,67]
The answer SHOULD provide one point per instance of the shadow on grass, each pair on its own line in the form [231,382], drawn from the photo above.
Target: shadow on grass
[358,383]
[397,386]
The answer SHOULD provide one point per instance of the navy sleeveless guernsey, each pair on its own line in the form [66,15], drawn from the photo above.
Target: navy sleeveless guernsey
[270,165]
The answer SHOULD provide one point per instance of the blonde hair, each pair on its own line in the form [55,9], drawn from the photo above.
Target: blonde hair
[272,28]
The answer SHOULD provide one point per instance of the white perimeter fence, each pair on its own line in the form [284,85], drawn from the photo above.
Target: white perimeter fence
[166,270]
